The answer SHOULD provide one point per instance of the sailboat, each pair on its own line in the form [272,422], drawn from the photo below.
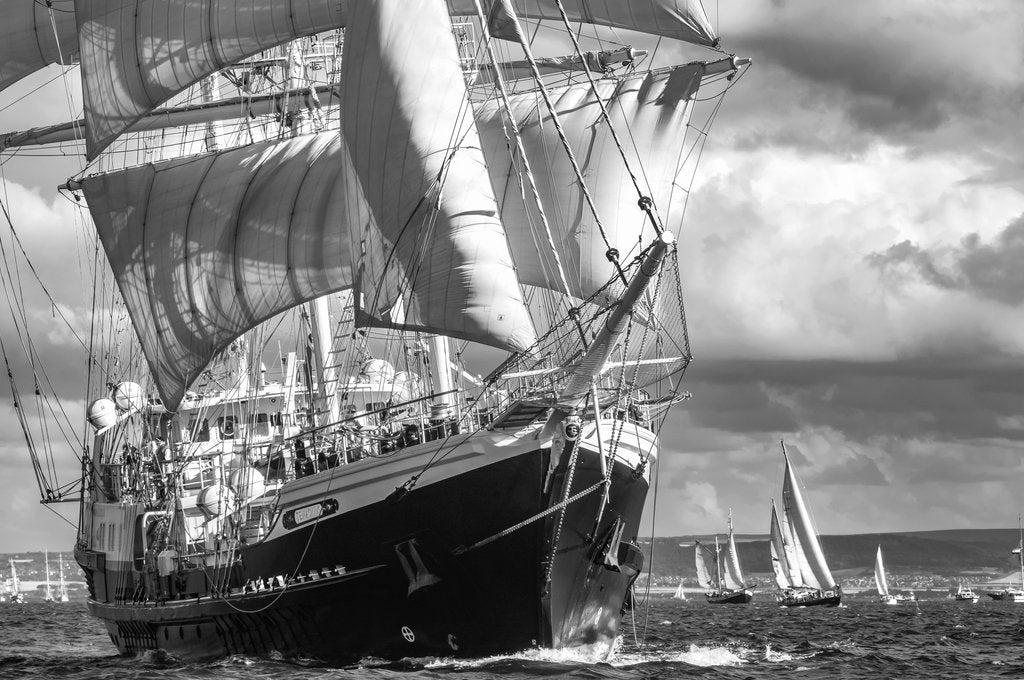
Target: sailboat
[719,571]
[14,595]
[48,593]
[882,584]
[457,204]
[680,592]
[798,563]
[1017,594]
[965,594]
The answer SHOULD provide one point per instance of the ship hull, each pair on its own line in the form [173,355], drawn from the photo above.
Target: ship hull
[731,597]
[460,567]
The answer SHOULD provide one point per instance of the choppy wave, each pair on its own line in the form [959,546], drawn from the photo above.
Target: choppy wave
[664,638]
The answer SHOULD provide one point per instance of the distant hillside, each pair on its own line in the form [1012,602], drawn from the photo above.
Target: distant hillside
[947,552]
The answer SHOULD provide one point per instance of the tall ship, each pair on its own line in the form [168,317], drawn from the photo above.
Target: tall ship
[719,571]
[387,315]
[798,562]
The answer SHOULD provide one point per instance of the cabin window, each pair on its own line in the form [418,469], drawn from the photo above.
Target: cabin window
[262,425]
[227,426]
[198,430]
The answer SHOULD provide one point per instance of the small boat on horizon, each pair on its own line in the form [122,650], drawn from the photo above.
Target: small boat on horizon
[801,573]
[965,594]
[881,583]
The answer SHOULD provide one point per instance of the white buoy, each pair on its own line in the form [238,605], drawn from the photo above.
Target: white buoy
[102,413]
[129,396]
[215,500]
[247,483]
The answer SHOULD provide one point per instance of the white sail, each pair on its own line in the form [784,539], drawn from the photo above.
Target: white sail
[29,41]
[655,106]
[880,581]
[137,54]
[780,554]
[205,248]
[733,574]
[437,259]
[680,593]
[707,566]
[802,574]
[808,548]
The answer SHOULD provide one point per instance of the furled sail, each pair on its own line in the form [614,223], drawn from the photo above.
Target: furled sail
[438,259]
[137,54]
[780,561]
[880,581]
[204,248]
[29,40]
[733,575]
[805,538]
[706,562]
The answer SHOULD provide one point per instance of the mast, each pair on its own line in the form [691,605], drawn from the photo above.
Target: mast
[718,564]
[593,361]
[46,563]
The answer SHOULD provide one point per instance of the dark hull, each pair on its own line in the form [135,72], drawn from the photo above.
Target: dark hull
[730,597]
[827,599]
[410,577]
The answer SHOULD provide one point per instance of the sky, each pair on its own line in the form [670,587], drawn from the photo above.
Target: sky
[852,268]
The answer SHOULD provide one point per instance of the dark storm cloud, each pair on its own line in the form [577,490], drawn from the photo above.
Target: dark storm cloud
[994,271]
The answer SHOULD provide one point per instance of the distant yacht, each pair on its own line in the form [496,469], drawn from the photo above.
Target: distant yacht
[680,593]
[15,596]
[966,594]
[880,581]
[720,572]
[801,573]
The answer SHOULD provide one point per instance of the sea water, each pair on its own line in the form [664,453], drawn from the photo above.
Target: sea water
[661,638]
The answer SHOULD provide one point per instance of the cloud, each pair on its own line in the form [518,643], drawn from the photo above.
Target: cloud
[992,271]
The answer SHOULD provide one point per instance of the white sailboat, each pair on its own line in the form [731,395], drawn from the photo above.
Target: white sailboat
[14,595]
[881,582]
[801,573]
[680,593]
